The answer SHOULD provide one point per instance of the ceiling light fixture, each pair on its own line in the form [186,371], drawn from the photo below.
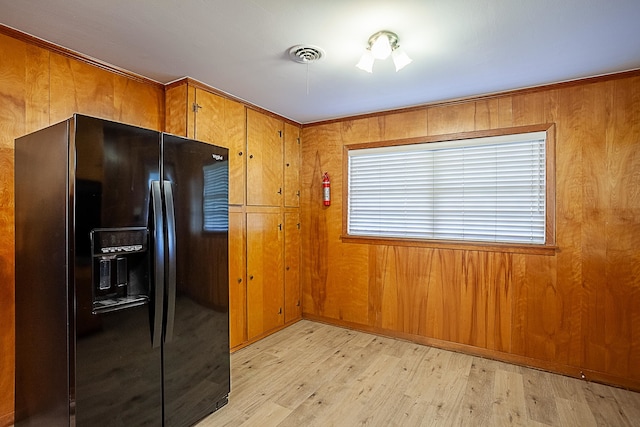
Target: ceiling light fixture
[380,46]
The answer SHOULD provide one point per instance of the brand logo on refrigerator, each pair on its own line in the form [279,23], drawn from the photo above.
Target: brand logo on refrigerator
[217,157]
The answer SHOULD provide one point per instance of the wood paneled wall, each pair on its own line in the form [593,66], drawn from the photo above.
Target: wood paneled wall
[42,85]
[577,311]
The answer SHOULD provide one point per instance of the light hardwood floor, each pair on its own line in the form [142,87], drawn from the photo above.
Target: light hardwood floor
[312,374]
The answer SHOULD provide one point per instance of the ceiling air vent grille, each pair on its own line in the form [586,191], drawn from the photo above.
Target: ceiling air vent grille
[305,54]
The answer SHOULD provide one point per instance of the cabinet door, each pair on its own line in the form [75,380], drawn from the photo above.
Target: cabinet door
[237,281]
[221,121]
[265,288]
[292,296]
[264,161]
[176,110]
[291,165]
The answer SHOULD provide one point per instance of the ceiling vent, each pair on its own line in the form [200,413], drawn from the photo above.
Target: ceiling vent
[305,54]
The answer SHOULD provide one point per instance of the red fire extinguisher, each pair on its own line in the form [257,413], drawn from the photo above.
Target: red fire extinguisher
[326,189]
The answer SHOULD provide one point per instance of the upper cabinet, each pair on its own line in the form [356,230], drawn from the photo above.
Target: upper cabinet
[291,165]
[221,121]
[264,159]
[205,116]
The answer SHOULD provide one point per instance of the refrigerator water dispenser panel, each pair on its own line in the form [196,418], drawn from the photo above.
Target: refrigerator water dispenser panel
[120,265]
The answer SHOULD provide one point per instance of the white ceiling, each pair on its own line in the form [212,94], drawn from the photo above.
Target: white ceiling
[460,48]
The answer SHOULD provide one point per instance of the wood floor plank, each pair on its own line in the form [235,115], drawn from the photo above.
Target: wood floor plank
[540,403]
[508,400]
[313,374]
[604,406]
[573,413]
[455,376]
[269,414]
[478,396]
[429,372]
[629,402]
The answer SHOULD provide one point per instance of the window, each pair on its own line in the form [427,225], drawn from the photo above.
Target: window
[480,189]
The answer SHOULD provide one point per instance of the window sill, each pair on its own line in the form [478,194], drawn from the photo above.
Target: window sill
[547,250]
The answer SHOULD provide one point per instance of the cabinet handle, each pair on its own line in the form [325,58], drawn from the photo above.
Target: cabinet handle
[287,268]
[280,133]
[240,153]
[239,279]
[287,164]
[251,277]
[280,311]
[280,227]
[280,190]
[251,156]
[298,303]
[298,193]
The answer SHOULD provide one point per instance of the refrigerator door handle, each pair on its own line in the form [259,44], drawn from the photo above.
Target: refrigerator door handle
[158,265]
[171,262]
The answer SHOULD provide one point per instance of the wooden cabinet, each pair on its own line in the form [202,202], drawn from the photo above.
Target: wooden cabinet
[291,165]
[264,160]
[265,291]
[221,121]
[264,199]
[237,279]
[199,114]
[292,290]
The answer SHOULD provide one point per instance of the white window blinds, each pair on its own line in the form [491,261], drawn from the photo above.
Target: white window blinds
[482,189]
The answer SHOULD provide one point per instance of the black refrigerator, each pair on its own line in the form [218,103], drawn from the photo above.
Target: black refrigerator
[121,276]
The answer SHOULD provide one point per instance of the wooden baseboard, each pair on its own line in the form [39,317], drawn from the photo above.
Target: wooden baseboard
[557,368]
[263,335]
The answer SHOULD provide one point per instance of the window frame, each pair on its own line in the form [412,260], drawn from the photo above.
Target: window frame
[548,248]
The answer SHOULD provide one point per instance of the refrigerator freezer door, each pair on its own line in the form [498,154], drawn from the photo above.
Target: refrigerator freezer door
[118,373]
[196,359]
